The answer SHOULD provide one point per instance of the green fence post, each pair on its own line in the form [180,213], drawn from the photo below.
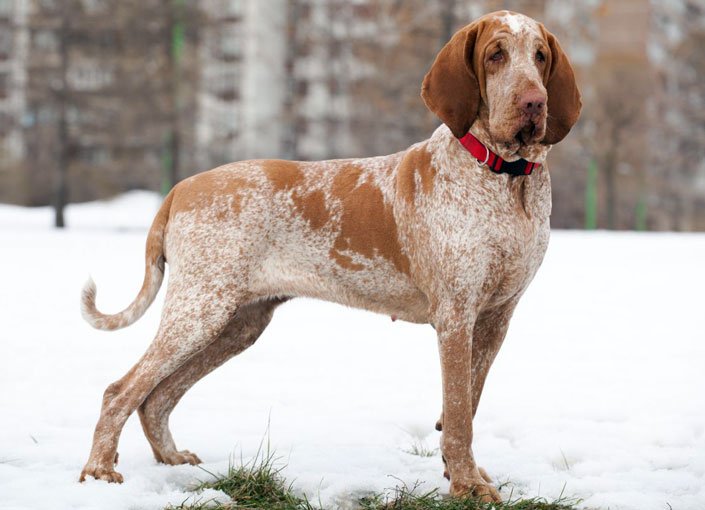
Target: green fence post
[177,34]
[640,213]
[166,183]
[170,159]
[591,196]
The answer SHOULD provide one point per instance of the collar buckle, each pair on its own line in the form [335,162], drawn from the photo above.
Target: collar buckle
[487,157]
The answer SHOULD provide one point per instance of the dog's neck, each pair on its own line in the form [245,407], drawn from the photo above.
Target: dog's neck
[531,192]
[536,153]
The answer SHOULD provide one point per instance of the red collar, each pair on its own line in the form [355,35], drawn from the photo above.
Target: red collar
[493,161]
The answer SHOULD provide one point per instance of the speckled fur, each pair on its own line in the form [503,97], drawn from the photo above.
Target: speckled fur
[426,235]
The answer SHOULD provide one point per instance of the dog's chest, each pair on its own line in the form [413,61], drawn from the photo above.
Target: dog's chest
[487,233]
[517,253]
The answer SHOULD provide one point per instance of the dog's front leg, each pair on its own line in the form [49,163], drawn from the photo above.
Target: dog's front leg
[455,345]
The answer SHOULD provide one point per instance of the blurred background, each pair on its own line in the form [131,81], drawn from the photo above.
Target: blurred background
[98,97]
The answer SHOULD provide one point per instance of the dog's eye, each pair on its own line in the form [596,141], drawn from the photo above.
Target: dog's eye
[540,56]
[497,56]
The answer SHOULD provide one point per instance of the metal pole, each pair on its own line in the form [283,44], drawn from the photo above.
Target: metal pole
[171,160]
[60,185]
[591,196]
[641,213]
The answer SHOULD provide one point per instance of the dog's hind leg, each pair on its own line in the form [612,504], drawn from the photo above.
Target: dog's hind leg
[241,332]
[191,321]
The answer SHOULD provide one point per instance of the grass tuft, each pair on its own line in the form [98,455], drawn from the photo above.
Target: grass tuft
[404,497]
[259,484]
[419,448]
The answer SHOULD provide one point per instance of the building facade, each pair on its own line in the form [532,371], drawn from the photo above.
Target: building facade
[139,94]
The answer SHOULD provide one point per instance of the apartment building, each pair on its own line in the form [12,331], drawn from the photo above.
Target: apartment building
[150,92]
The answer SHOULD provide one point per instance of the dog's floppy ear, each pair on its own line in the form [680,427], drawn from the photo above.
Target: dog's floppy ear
[450,88]
[564,102]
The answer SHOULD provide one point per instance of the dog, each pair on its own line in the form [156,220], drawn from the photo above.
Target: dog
[449,232]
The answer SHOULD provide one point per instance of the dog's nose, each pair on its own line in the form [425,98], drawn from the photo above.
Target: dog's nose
[533,103]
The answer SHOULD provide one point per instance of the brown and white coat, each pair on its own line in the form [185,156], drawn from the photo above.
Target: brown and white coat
[427,235]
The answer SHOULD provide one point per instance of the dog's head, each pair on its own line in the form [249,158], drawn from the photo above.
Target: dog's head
[507,70]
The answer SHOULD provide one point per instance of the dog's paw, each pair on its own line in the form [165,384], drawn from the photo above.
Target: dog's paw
[478,489]
[106,474]
[181,457]
[483,473]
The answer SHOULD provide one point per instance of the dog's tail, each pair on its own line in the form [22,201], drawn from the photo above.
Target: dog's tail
[153,277]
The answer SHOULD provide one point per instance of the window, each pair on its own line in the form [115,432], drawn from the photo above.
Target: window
[6,122]
[93,155]
[89,75]
[4,85]
[233,8]
[224,84]
[94,6]
[5,43]
[5,9]
[226,122]
[48,5]
[45,40]
[228,43]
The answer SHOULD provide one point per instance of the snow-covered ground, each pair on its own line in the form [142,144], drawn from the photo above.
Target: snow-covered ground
[599,390]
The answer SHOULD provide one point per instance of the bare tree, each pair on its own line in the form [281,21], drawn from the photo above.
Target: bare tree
[619,138]
[290,113]
[107,108]
[389,112]
[681,136]
[61,93]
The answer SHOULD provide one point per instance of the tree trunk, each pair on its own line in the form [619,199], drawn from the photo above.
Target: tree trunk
[60,185]
[290,135]
[447,20]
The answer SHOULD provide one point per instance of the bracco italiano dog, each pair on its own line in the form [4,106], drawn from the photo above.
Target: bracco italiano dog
[448,232]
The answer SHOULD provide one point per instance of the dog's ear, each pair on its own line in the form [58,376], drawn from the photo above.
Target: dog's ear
[564,102]
[450,88]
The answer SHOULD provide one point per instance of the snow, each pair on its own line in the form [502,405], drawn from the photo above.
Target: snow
[597,392]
